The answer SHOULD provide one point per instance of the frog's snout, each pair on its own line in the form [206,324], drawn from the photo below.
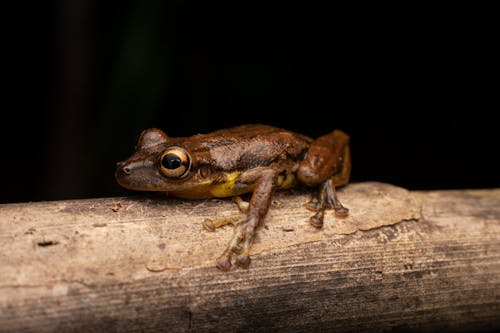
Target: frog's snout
[122,168]
[134,174]
[123,174]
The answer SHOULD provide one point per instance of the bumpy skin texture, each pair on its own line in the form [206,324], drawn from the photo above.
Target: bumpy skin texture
[214,156]
[253,159]
[325,158]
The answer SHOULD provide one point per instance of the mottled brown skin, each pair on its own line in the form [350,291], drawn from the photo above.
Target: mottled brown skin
[255,159]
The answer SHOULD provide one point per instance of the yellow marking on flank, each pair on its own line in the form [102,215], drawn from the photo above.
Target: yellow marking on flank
[227,189]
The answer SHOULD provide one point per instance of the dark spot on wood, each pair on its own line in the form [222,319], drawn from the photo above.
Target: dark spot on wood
[30,231]
[161,246]
[116,207]
[47,243]
[190,319]
[414,274]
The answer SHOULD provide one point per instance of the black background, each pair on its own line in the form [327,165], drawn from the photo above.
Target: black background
[414,87]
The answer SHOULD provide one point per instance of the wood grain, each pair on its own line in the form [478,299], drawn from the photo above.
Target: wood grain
[401,261]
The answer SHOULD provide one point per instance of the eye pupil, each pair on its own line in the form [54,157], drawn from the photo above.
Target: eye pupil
[175,163]
[171,161]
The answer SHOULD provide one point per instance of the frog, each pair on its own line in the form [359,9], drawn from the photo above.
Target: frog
[254,160]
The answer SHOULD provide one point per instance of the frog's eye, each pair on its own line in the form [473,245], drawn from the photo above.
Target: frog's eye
[175,162]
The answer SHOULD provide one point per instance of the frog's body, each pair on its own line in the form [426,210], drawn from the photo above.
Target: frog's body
[243,159]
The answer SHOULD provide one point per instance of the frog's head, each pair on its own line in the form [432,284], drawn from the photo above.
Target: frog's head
[159,163]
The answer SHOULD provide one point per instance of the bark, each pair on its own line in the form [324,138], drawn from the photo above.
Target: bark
[401,261]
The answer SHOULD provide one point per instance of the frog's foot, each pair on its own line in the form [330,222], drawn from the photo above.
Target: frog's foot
[333,201]
[326,198]
[239,246]
[318,204]
[317,219]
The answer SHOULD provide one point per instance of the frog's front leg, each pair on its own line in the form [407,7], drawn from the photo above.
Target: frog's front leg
[327,165]
[263,180]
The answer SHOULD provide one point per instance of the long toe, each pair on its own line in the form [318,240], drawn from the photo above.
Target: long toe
[224,262]
[243,260]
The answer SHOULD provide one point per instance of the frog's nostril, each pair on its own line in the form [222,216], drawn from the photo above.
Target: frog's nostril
[122,168]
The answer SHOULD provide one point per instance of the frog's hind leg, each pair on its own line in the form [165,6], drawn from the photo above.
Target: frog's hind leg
[318,204]
[326,198]
[327,165]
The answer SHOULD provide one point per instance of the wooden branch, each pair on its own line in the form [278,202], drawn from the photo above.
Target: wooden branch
[401,260]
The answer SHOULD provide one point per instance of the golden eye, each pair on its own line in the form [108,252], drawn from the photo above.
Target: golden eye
[175,162]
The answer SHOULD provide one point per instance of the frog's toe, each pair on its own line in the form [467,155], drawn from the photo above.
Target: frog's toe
[208,225]
[313,205]
[242,204]
[224,262]
[212,224]
[341,212]
[242,260]
[317,219]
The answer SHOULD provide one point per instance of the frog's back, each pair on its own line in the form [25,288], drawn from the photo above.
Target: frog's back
[247,146]
[250,132]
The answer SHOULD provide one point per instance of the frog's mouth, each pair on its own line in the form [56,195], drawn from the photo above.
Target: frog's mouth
[136,175]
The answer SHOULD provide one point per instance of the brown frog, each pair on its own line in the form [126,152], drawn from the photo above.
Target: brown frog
[255,159]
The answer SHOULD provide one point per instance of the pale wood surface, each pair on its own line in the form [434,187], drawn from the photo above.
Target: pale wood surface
[401,260]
